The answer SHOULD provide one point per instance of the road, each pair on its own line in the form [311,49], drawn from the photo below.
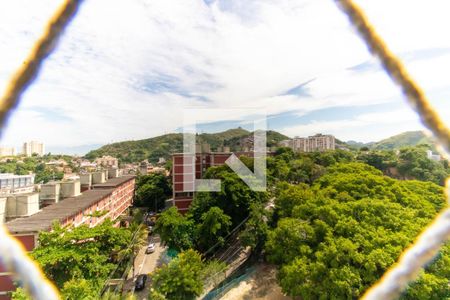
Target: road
[146,264]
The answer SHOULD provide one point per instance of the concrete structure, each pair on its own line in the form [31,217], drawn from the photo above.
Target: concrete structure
[85,181]
[16,184]
[435,157]
[7,151]
[107,161]
[70,189]
[50,193]
[53,192]
[113,173]
[21,205]
[112,197]
[98,177]
[3,209]
[33,147]
[286,143]
[144,166]
[318,142]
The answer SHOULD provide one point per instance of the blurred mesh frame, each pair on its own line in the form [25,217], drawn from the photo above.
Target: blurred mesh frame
[393,282]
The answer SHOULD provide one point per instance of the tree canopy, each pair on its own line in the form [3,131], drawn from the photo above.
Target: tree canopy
[152,191]
[336,238]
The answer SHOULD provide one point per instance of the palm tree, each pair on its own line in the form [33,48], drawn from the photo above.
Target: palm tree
[138,240]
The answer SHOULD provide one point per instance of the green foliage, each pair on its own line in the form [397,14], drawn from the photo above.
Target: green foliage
[254,234]
[336,238]
[152,191]
[405,139]
[382,160]
[79,259]
[20,294]
[79,289]
[433,281]
[181,279]
[213,228]
[234,198]
[35,165]
[175,230]
[165,145]
[413,163]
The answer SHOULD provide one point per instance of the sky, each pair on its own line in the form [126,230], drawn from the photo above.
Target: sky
[127,70]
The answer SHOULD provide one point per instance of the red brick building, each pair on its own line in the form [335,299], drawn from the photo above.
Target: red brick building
[113,197]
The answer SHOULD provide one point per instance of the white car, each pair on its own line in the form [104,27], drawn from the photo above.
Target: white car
[150,248]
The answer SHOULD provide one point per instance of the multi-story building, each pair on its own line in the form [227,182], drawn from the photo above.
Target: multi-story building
[318,142]
[107,162]
[185,169]
[17,196]
[112,198]
[13,184]
[29,148]
[7,151]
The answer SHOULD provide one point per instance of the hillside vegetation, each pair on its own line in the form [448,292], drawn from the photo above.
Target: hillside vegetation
[338,222]
[405,139]
[165,145]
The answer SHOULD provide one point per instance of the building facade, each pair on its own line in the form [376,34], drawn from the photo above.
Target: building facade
[7,151]
[185,169]
[17,196]
[14,184]
[29,148]
[112,198]
[318,142]
[107,162]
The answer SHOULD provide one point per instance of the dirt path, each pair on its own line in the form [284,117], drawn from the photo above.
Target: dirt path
[261,285]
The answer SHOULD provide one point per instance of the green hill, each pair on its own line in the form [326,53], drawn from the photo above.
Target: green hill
[409,138]
[165,145]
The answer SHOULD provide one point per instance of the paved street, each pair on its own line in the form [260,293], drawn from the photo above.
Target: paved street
[145,264]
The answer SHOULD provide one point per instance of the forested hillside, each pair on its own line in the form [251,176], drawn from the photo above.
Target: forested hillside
[165,145]
[405,139]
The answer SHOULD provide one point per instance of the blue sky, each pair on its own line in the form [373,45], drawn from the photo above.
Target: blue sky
[128,69]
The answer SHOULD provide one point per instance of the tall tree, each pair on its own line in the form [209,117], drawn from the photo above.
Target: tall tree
[213,228]
[175,230]
[152,191]
[181,279]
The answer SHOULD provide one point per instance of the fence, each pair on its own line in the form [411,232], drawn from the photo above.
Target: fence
[391,284]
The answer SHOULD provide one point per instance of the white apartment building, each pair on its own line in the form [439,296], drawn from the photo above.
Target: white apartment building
[318,142]
[107,161]
[7,151]
[33,147]
[17,196]
[14,184]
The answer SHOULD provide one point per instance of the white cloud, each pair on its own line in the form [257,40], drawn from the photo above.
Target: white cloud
[366,127]
[126,69]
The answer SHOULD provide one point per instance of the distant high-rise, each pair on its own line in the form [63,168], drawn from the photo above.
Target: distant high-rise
[7,151]
[33,147]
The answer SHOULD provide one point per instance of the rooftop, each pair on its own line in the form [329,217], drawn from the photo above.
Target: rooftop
[60,211]
[113,182]
[66,208]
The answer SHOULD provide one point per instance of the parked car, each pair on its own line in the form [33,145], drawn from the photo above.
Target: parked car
[140,282]
[150,248]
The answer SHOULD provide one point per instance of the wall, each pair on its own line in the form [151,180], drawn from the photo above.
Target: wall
[3,209]
[22,205]
[50,193]
[70,189]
